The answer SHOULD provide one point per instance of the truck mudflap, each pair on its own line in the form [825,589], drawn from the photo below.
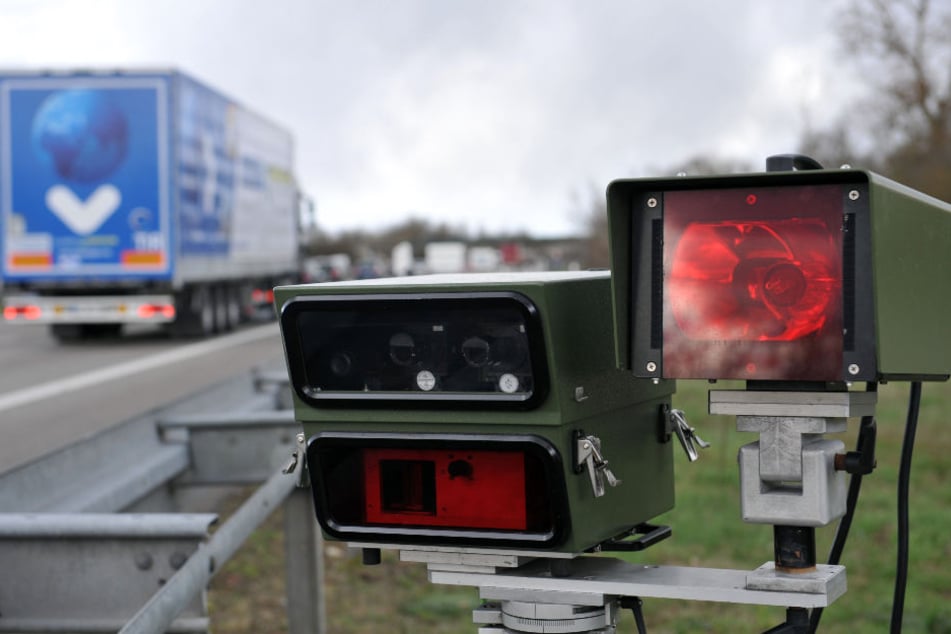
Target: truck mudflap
[43,309]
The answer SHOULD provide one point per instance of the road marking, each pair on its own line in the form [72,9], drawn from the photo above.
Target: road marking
[59,387]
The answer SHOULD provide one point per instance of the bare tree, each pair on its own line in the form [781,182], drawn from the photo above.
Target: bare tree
[903,48]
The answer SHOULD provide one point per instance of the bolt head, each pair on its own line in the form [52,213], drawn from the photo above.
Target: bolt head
[143,561]
[177,559]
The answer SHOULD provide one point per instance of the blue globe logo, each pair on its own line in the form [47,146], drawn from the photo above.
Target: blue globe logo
[84,133]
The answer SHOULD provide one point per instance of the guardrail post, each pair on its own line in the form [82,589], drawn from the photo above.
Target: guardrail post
[303,554]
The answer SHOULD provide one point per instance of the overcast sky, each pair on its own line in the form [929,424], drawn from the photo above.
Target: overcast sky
[489,114]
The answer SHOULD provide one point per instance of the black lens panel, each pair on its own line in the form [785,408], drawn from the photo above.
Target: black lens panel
[483,347]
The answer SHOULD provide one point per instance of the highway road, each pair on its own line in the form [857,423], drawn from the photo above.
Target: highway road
[52,394]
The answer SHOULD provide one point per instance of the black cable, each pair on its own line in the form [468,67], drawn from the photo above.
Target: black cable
[855,486]
[904,478]
[636,606]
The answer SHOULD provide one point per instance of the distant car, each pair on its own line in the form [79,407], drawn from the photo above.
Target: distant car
[368,270]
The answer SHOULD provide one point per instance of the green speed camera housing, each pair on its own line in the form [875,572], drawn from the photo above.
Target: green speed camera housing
[447,410]
[826,275]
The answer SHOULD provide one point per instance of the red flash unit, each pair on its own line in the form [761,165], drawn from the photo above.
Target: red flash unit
[753,283]
[488,490]
[755,277]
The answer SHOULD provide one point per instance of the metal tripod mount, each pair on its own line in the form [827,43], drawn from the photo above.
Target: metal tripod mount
[527,591]
[791,479]
[788,479]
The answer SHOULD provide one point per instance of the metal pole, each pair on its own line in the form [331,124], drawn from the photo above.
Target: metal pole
[159,612]
[304,563]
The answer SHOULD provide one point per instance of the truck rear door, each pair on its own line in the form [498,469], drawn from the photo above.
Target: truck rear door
[84,197]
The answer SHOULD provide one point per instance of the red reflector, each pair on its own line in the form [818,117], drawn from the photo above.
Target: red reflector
[753,283]
[434,487]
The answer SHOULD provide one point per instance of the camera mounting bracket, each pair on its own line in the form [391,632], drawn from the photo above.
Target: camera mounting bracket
[525,596]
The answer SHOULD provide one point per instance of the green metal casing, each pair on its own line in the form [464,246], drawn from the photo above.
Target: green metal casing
[911,259]
[586,392]
[902,235]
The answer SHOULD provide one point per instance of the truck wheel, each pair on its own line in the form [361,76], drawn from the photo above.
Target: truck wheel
[227,309]
[219,302]
[204,303]
[196,313]
[234,306]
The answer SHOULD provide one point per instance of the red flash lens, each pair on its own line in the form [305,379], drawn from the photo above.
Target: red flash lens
[433,487]
[753,280]
[753,283]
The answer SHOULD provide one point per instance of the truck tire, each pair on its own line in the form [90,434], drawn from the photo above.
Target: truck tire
[227,309]
[234,306]
[195,314]
[219,301]
[206,311]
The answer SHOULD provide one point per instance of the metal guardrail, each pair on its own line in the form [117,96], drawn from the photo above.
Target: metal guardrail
[72,562]
[173,598]
[79,571]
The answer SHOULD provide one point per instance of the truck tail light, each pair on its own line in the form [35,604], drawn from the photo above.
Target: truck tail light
[29,312]
[456,489]
[262,296]
[151,311]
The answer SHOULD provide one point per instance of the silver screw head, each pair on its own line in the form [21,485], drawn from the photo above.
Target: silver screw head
[854,194]
[854,369]
[651,366]
[651,202]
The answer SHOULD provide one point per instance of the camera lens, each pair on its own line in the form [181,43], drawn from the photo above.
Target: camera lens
[475,350]
[341,364]
[402,349]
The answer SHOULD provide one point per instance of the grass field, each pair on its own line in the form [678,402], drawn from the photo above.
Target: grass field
[247,596]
